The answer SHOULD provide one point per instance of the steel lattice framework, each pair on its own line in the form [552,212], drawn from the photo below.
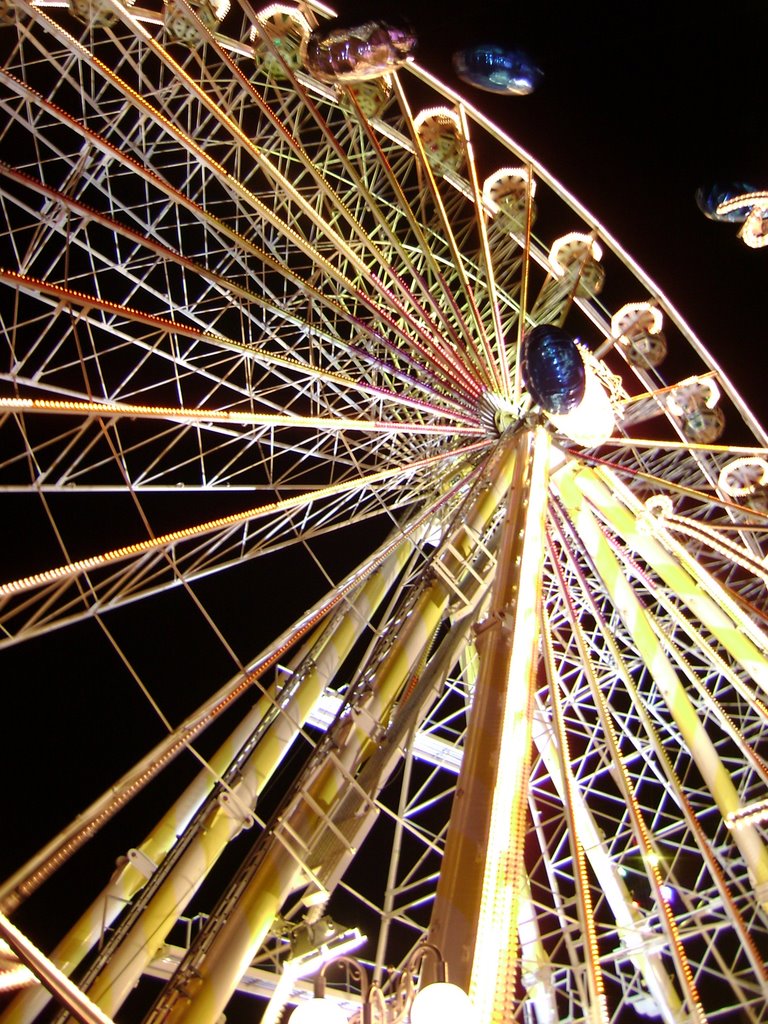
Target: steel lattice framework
[243,310]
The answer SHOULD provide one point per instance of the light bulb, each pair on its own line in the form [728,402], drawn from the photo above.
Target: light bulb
[444,1002]
[318,1011]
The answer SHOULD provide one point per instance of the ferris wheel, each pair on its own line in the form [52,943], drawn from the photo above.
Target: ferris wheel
[430,650]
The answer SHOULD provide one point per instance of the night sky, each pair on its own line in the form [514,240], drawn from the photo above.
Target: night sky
[641,103]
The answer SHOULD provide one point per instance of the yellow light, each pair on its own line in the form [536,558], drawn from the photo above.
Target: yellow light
[442,1002]
[283,10]
[660,506]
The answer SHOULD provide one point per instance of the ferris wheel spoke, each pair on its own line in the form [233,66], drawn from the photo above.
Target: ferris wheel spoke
[432,356]
[677,866]
[389,556]
[324,423]
[638,622]
[676,863]
[210,355]
[423,248]
[46,599]
[481,357]
[500,360]
[638,824]
[287,188]
[363,197]
[744,640]
[596,1004]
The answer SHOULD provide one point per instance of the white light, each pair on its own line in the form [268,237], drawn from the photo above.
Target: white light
[592,421]
[318,1011]
[442,1002]
[668,893]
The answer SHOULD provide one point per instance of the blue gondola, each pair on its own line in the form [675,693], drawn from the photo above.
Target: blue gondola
[553,369]
[498,69]
[709,197]
[340,52]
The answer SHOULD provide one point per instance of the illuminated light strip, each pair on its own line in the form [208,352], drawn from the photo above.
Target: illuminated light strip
[697,637]
[259,355]
[681,386]
[760,467]
[441,114]
[445,360]
[292,13]
[126,963]
[536,965]
[373,138]
[522,311]
[507,680]
[703,751]
[497,178]
[594,250]
[690,392]
[231,287]
[157,543]
[752,814]
[643,316]
[295,705]
[759,198]
[723,546]
[405,207]
[45,405]
[598,1009]
[689,492]
[228,949]
[693,446]
[215,43]
[13,973]
[704,647]
[630,923]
